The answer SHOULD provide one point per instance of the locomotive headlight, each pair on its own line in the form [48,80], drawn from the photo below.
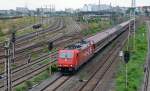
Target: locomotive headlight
[60,65]
[71,65]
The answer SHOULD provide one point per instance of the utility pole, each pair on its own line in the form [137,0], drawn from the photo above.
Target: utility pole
[7,47]
[42,14]
[133,4]
[50,9]
[49,13]
[129,32]
[13,41]
[99,10]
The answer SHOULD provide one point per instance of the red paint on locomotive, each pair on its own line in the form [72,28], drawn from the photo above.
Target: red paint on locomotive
[71,58]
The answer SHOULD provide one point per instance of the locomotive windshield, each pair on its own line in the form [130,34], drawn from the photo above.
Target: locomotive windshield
[66,55]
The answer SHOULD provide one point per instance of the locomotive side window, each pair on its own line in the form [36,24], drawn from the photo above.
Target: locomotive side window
[66,55]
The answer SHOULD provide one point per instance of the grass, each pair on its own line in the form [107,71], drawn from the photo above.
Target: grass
[135,65]
[29,83]
[18,23]
[6,26]
[26,31]
[30,30]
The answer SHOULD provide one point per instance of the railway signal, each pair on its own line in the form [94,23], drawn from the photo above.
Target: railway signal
[13,39]
[50,45]
[126,56]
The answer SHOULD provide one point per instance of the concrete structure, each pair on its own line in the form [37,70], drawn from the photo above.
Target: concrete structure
[22,9]
[3,12]
[69,10]
[146,10]
[94,7]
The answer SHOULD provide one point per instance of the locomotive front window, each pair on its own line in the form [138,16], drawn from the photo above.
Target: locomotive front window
[66,55]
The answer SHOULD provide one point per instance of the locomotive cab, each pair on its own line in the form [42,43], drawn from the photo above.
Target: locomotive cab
[66,60]
[73,56]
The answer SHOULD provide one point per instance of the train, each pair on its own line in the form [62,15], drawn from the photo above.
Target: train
[72,57]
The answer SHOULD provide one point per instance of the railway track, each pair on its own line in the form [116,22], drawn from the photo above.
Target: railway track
[28,76]
[97,78]
[98,73]
[31,70]
[27,71]
[33,34]
[64,82]
[56,39]
[59,41]
[16,81]
[20,50]
[56,43]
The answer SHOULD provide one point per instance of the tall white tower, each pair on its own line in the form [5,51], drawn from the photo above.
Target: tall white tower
[99,5]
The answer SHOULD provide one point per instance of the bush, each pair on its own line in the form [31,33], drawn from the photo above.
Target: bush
[54,68]
[21,88]
[28,84]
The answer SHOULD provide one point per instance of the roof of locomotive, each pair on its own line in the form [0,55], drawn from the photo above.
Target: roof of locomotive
[79,45]
[65,50]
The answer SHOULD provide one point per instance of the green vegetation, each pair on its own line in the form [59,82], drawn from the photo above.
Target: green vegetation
[38,78]
[135,65]
[1,68]
[18,23]
[28,84]
[95,26]
[54,68]
[6,26]
[34,55]
[34,81]
[1,33]
[26,31]
[14,66]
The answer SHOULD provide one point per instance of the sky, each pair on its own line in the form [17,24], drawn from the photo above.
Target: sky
[62,4]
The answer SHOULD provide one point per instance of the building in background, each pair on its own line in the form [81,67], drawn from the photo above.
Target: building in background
[69,10]
[24,11]
[94,7]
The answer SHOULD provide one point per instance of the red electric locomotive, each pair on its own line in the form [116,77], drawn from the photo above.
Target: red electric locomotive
[75,55]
